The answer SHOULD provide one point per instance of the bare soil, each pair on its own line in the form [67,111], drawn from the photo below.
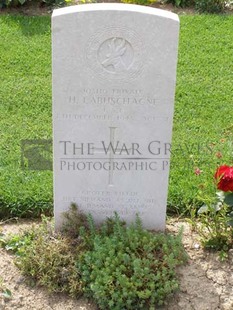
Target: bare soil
[206,283]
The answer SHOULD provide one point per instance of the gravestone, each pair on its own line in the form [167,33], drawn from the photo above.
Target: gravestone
[114,72]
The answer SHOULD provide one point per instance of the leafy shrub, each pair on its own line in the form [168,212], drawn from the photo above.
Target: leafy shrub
[52,263]
[210,6]
[2,4]
[16,243]
[130,268]
[15,3]
[73,221]
[47,257]
[140,2]
[181,3]
[119,267]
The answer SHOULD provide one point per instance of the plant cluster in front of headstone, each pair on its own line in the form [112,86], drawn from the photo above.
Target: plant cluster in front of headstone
[129,267]
[46,257]
[119,267]
[216,216]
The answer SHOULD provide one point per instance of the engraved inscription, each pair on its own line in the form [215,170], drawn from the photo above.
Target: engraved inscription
[116,55]
[103,202]
[115,97]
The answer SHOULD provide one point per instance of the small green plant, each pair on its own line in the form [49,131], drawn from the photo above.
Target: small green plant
[51,260]
[210,6]
[214,228]
[4,292]
[217,217]
[16,243]
[129,267]
[73,220]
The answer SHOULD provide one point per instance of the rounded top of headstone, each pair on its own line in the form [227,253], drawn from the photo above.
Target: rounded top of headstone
[115,7]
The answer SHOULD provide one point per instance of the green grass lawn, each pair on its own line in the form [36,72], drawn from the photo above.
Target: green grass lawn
[203,123]
[25,109]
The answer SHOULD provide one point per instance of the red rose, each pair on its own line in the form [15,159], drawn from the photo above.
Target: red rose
[224,178]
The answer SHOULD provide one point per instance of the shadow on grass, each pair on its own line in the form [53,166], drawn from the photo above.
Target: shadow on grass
[28,25]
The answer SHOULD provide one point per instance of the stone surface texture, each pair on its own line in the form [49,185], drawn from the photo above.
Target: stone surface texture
[114,72]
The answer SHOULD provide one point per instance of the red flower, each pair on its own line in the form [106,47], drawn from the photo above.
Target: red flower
[224,178]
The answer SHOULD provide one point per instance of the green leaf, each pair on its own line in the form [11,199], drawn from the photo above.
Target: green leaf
[22,1]
[229,199]
[7,294]
[111,303]
[177,2]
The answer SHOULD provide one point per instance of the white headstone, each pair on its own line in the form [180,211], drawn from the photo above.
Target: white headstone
[114,72]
